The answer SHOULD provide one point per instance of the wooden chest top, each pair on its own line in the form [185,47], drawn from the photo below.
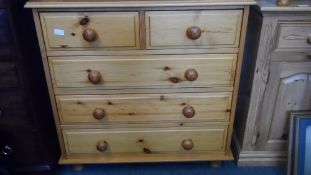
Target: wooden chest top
[131,3]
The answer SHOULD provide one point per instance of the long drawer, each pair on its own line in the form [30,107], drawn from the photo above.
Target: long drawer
[108,109]
[148,141]
[153,71]
[193,29]
[87,30]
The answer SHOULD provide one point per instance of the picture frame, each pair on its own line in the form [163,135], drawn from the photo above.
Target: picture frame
[299,149]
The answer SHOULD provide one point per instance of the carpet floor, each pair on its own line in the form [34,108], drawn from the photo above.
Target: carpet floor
[192,168]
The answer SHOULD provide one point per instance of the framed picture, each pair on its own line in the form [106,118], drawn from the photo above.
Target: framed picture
[299,150]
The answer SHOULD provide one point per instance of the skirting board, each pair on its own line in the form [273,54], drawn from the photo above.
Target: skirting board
[261,158]
[257,158]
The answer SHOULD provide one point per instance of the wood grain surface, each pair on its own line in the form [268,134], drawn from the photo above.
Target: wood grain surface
[114,29]
[145,140]
[143,71]
[144,108]
[132,3]
[219,28]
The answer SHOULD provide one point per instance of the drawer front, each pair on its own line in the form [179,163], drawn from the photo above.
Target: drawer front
[25,144]
[13,110]
[2,4]
[8,75]
[104,109]
[193,29]
[146,141]
[5,36]
[143,71]
[294,36]
[91,30]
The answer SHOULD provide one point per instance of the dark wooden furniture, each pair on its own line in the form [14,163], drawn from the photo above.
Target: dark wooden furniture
[27,134]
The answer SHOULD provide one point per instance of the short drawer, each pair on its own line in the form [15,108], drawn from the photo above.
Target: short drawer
[8,75]
[294,35]
[86,30]
[193,29]
[147,141]
[107,109]
[161,71]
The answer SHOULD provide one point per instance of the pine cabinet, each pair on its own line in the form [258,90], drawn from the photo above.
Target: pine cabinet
[142,81]
[277,81]
[288,89]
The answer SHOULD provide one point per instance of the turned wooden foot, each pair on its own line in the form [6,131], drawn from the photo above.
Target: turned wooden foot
[78,168]
[215,164]
[283,2]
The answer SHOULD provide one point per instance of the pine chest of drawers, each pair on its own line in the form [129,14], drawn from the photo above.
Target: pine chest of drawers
[142,81]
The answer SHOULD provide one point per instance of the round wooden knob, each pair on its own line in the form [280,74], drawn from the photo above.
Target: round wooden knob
[102,146]
[7,150]
[99,113]
[187,144]
[193,32]
[89,35]
[309,40]
[191,74]
[188,111]
[94,77]
[283,2]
